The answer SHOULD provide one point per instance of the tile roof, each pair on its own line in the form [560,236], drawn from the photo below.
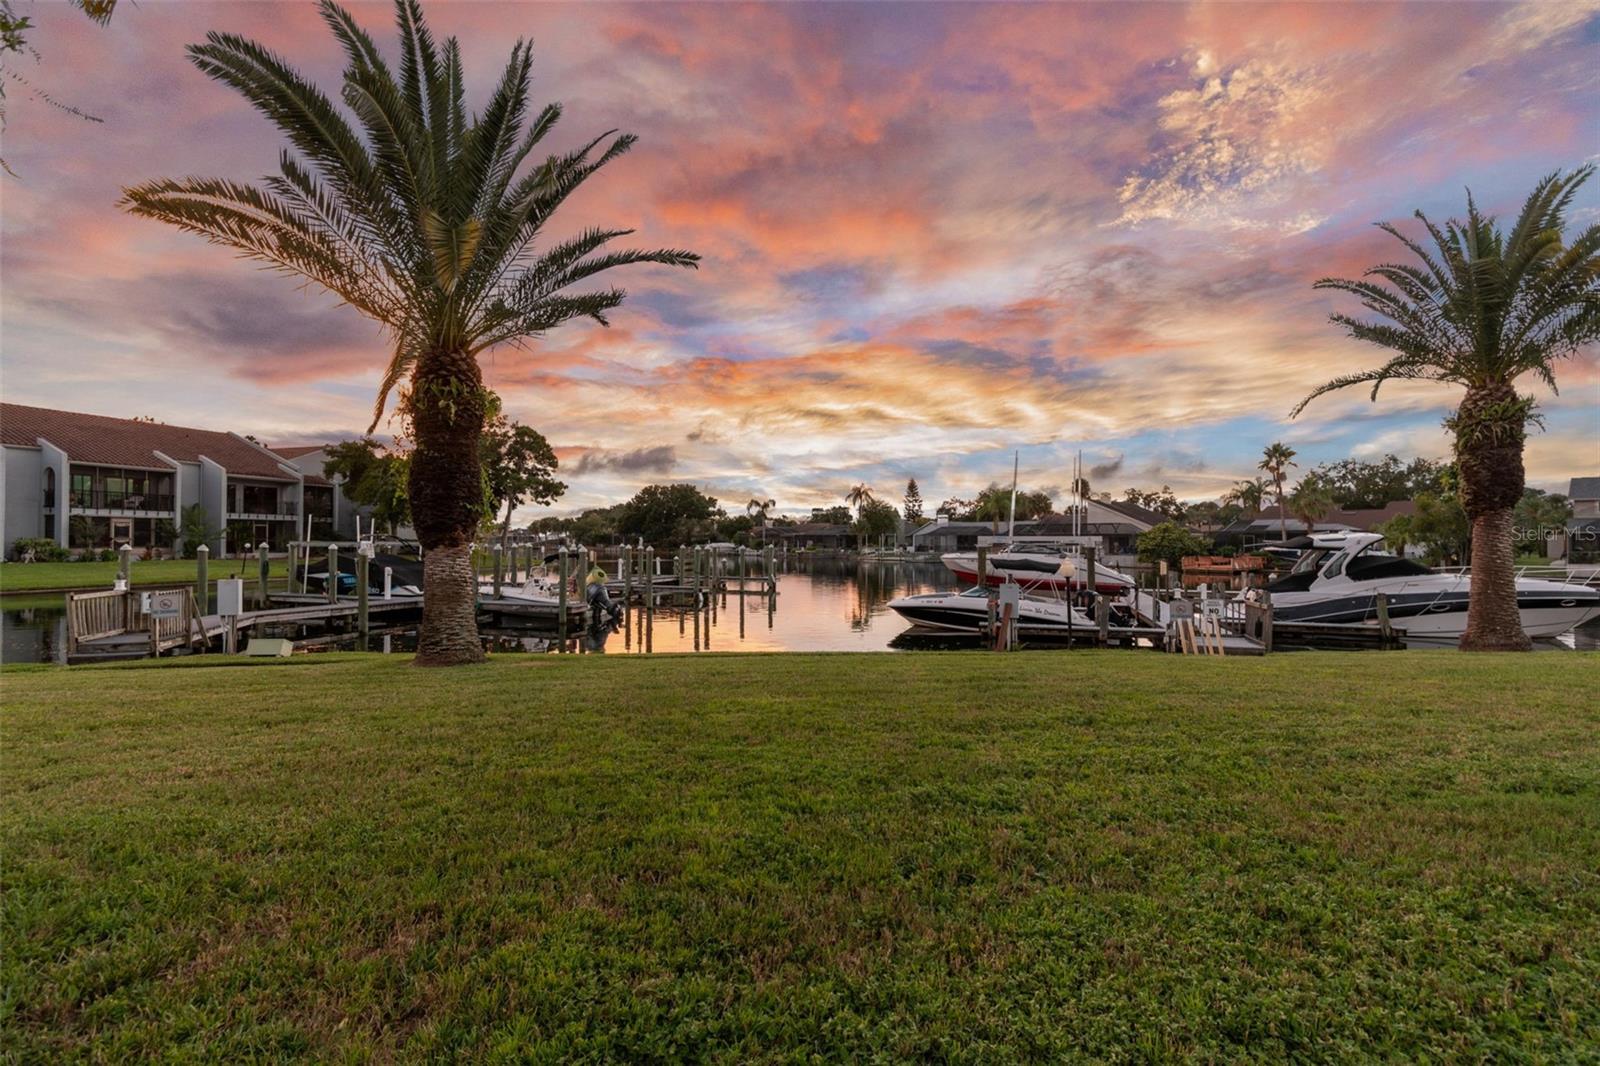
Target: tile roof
[103,440]
[295,451]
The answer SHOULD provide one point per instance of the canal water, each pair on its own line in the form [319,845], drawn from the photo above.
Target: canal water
[823,604]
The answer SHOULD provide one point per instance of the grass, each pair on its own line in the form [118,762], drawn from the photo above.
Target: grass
[962,857]
[39,577]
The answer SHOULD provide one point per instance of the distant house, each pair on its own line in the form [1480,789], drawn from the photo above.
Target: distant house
[91,482]
[1265,527]
[1112,527]
[943,535]
[823,535]
[1583,528]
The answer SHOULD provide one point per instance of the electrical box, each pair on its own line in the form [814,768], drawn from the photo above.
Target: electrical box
[230,596]
[1010,596]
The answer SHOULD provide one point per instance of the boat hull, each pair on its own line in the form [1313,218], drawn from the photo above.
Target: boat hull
[1442,616]
[970,614]
[1038,575]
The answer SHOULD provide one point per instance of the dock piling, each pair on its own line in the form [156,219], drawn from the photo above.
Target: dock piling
[202,579]
[561,600]
[263,569]
[362,563]
[649,598]
[333,573]
[498,568]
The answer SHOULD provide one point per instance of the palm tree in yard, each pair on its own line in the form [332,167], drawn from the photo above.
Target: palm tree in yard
[1480,309]
[858,496]
[1276,461]
[757,509]
[1310,502]
[427,221]
[1249,494]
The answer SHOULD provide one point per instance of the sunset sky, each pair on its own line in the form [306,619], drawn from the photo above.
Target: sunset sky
[932,233]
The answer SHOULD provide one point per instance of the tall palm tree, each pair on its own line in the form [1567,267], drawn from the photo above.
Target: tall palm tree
[1481,309]
[426,221]
[857,497]
[1276,461]
[757,508]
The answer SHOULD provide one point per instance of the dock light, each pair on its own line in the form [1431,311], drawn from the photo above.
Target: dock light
[1066,569]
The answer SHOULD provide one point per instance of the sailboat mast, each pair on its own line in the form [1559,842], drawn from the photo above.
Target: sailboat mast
[1011,531]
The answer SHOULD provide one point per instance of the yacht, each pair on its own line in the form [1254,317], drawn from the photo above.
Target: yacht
[1038,564]
[1338,578]
[968,612]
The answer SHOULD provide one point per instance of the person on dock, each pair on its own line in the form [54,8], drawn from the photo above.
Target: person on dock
[602,610]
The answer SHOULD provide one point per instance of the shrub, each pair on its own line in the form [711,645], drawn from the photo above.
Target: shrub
[44,549]
[1171,542]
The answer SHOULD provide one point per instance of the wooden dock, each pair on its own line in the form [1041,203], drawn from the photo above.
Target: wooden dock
[109,625]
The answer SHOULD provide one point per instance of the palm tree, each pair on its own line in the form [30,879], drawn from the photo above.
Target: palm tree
[1276,461]
[1483,308]
[1248,494]
[757,509]
[1310,502]
[425,221]
[857,497]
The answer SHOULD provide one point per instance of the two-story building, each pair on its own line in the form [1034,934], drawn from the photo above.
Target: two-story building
[91,482]
[1583,528]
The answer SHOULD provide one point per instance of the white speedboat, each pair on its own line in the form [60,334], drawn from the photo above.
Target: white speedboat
[1338,579]
[1038,564]
[968,612]
[537,589]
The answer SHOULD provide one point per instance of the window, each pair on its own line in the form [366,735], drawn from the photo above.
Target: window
[258,499]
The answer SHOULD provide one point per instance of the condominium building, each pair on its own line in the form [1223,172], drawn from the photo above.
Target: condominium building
[91,482]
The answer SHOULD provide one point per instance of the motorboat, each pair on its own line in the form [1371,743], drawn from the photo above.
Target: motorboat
[968,612]
[1038,564]
[1338,579]
[539,588]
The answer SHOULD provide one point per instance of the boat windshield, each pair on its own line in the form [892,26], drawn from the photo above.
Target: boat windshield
[1311,560]
[1034,548]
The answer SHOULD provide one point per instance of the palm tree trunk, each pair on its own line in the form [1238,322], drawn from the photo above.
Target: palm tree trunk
[1493,622]
[1283,514]
[1491,484]
[447,413]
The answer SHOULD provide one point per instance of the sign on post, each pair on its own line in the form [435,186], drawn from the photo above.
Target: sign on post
[167,604]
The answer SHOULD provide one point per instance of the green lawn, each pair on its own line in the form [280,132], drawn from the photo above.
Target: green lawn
[32,577]
[965,857]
